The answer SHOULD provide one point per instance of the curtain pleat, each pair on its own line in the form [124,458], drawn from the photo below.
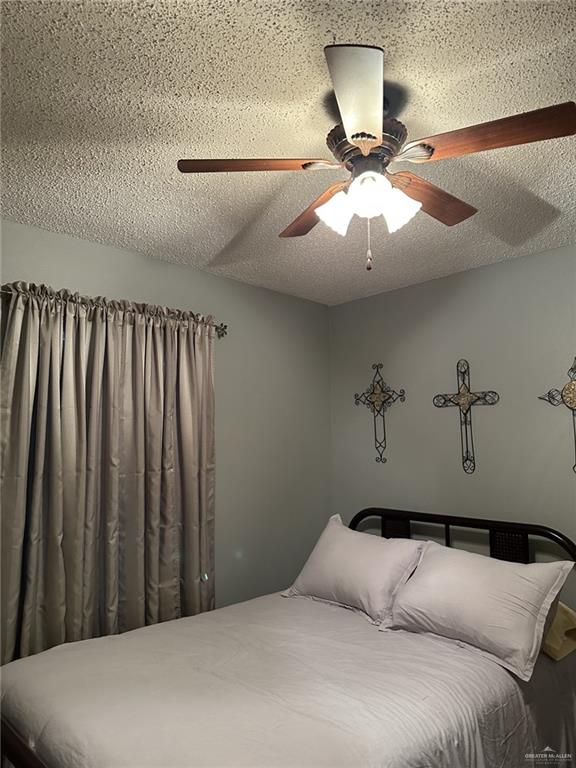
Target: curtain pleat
[154,408]
[94,477]
[43,567]
[110,462]
[107,415]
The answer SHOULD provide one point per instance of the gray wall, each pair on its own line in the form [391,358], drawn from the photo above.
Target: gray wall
[272,421]
[282,376]
[515,322]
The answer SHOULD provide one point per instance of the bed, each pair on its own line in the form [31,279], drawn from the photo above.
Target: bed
[289,683]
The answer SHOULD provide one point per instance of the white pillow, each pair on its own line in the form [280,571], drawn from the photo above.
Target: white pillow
[494,606]
[356,570]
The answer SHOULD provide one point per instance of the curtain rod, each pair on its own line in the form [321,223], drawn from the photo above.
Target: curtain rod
[221,329]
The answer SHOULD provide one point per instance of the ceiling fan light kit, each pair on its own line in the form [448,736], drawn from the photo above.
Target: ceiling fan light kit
[366,144]
[369,195]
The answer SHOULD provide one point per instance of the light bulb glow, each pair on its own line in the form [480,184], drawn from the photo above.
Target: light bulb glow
[368,194]
[399,209]
[336,213]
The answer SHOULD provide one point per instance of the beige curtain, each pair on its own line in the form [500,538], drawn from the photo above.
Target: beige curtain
[107,417]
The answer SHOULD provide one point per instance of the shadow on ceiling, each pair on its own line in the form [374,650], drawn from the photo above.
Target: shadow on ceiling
[509,211]
[232,252]
[395,100]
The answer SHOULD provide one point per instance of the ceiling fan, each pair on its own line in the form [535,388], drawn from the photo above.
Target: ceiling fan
[369,145]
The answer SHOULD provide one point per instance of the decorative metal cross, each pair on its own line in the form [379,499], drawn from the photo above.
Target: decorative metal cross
[566,395]
[378,398]
[464,399]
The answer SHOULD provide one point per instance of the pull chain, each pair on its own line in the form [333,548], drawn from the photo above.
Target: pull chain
[369,250]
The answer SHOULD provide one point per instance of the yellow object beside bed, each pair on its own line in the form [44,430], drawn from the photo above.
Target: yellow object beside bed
[561,637]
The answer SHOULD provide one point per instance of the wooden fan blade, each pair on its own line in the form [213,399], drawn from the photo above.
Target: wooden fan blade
[357,74]
[229,166]
[548,123]
[435,201]
[308,218]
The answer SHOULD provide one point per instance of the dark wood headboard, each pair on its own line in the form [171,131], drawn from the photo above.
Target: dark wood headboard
[507,541]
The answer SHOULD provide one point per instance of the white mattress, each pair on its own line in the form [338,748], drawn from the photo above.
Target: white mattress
[282,682]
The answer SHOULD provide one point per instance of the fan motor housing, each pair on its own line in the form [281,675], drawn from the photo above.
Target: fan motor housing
[372,163]
[394,135]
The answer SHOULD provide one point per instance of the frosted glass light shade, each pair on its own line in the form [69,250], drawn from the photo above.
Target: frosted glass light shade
[399,209]
[336,213]
[368,194]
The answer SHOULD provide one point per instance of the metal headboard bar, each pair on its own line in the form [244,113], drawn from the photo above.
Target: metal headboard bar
[16,750]
[508,540]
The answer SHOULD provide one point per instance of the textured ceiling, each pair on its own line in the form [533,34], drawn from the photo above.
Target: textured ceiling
[100,99]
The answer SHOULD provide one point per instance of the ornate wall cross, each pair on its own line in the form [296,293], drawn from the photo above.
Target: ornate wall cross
[378,398]
[566,395]
[465,399]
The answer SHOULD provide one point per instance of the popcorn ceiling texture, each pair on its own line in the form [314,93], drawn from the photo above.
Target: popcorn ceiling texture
[100,99]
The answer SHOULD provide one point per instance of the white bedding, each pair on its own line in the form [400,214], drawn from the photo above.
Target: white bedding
[282,682]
